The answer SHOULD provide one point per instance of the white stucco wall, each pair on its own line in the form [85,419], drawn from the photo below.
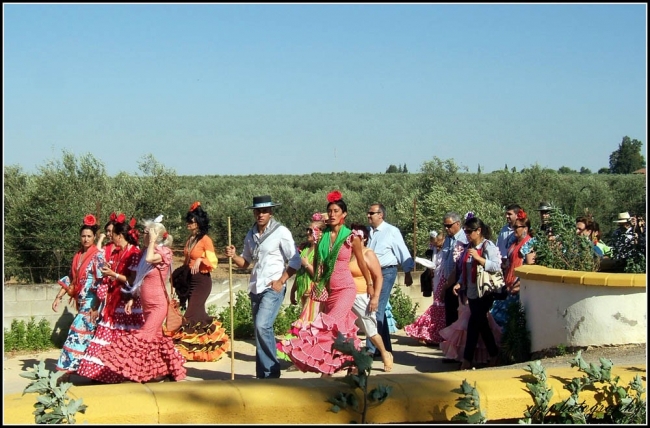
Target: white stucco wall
[583,315]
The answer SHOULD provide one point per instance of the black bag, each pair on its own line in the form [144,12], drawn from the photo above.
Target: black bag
[181,277]
[426,283]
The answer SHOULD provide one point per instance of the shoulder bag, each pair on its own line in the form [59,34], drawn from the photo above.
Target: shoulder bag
[490,282]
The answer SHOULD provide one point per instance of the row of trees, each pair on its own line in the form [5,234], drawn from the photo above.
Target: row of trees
[43,211]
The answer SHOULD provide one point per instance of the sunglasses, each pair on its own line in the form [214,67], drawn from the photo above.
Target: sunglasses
[469,231]
[517,227]
[449,225]
[309,230]
[373,212]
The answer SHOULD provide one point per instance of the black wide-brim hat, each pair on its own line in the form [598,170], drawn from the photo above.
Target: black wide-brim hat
[263,202]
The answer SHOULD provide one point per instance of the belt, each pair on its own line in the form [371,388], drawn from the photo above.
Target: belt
[388,267]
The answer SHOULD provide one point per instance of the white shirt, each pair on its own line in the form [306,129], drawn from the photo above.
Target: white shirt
[274,252]
[504,239]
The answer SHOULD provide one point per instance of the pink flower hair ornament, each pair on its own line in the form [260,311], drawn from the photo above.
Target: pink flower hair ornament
[90,220]
[334,196]
[317,217]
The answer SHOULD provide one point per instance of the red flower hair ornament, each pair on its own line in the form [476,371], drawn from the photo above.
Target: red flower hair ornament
[521,215]
[334,196]
[132,222]
[195,205]
[90,220]
[113,216]
[120,218]
[165,235]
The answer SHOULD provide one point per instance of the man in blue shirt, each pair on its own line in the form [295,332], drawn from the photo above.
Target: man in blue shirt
[455,239]
[388,244]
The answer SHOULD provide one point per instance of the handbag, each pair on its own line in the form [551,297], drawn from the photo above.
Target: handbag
[174,319]
[489,282]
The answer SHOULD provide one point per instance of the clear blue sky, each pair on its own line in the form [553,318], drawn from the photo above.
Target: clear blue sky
[232,89]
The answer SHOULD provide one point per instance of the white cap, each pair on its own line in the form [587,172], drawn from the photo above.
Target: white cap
[433,234]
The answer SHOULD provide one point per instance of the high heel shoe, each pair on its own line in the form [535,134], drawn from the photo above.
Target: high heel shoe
[389,366]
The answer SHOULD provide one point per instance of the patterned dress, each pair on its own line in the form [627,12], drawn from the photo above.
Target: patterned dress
[427,327]
[311,350]
[146,354]
[82,329]
[114,320]
[516,257]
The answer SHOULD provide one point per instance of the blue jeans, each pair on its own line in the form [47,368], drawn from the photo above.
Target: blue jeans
[266,306]
[390,275]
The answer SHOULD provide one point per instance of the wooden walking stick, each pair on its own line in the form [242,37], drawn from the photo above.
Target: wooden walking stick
[232,321]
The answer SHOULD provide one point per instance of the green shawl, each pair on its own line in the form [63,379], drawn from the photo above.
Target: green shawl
[325,257]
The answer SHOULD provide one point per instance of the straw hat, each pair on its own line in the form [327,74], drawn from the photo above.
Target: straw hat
[623,217]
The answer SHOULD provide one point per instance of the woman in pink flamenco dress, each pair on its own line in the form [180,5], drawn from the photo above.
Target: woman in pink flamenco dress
[426,329]
[311,350]
[146,354]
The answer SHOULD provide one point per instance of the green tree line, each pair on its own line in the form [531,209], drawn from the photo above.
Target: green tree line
[43,211]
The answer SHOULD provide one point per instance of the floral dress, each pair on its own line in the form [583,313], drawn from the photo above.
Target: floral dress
[311,350]
[499,309]
[82,328]
[427,327]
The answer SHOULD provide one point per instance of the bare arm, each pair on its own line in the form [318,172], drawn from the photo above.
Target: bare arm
[375,272]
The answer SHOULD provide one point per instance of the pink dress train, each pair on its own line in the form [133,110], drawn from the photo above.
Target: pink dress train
[455,335]
[427,327]
[311,350]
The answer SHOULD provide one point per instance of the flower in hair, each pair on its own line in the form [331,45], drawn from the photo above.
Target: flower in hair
[334,196]
[158,219]
[133,222]
[317,217]
[134,234]
[470,214]
[113,216]
[120,218]
[521,215]
[90,220]
[165,235]
[195,205]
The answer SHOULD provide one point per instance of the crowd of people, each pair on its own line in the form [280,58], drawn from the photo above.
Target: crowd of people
[344,275]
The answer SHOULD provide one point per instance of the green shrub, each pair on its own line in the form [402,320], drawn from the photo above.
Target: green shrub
[286,316]
[402,307]
[53,406]
[565,250]
[28,337]
[242,317]
[515,341]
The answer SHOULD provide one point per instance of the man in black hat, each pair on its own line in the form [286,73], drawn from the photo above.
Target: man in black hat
[545,214]
[268,246]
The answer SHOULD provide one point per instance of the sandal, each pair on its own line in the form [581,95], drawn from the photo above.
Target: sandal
[388,367]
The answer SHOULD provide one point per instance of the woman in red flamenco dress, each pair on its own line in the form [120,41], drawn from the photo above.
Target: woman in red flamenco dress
[146,354]
[114,321]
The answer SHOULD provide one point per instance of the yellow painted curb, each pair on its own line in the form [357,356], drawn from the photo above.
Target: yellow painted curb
[542,273]
[415,398]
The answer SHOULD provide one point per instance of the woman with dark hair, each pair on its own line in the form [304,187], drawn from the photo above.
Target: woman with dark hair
[365,304]
[480,250]
[201,337]
[146,354]
[312,350]
[118,273]
[81,285]
[107,234]
[520,252]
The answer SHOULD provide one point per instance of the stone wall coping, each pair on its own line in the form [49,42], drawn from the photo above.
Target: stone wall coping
[606,279]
